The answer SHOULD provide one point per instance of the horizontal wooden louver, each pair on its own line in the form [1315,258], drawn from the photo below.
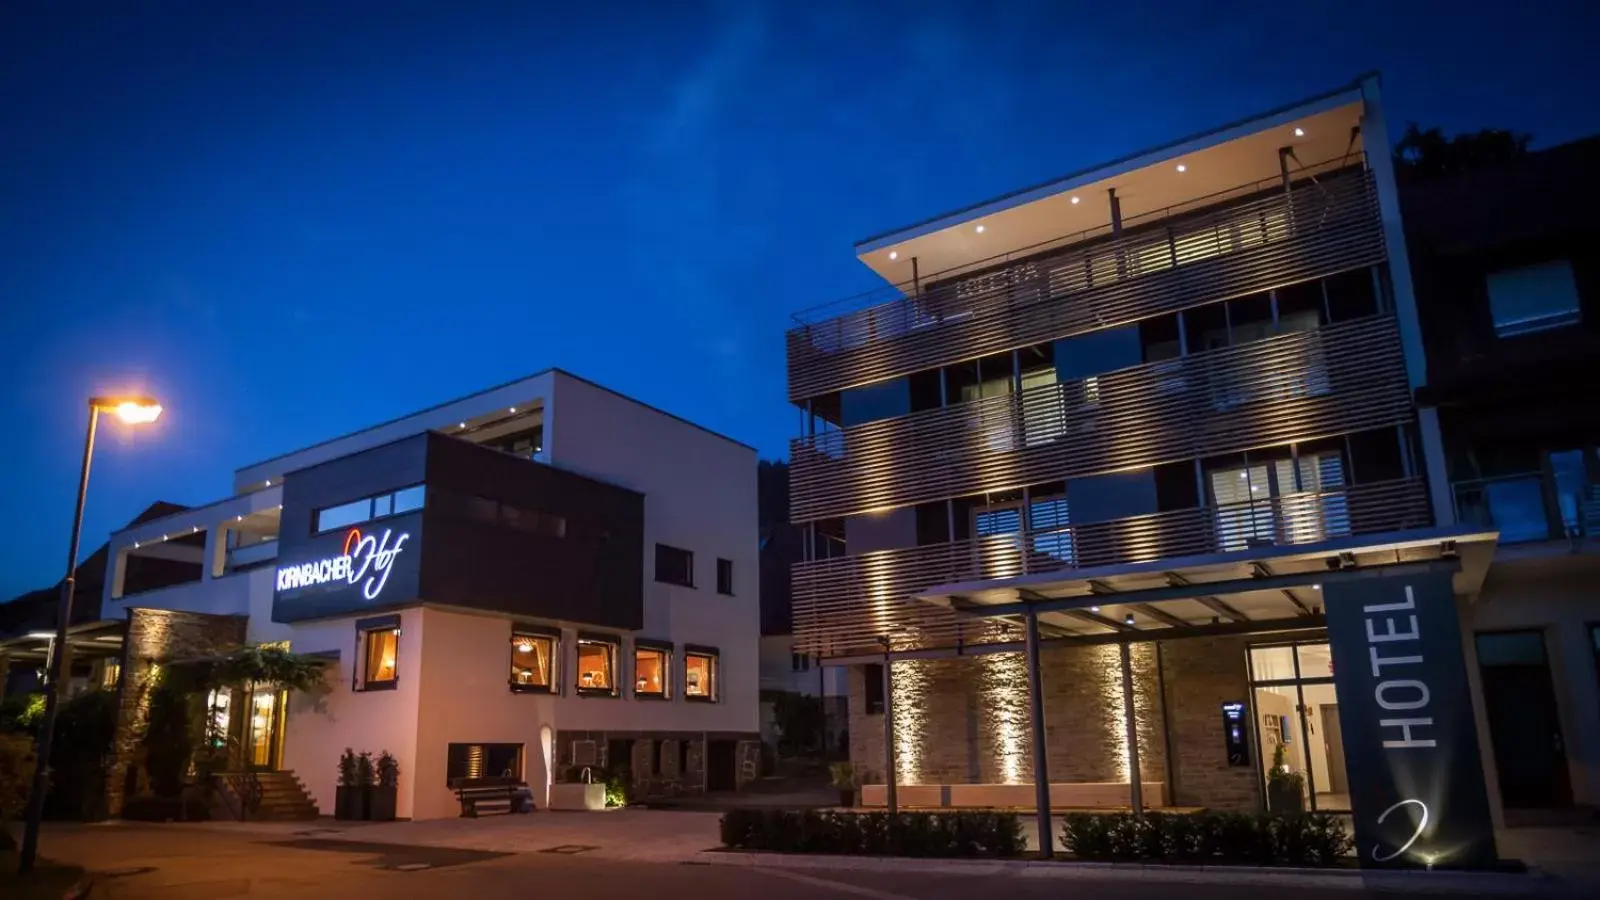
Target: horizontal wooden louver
[1316,230]
[844,605]
[1291,387]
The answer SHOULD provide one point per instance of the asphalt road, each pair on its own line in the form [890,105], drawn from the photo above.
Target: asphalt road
[134,862]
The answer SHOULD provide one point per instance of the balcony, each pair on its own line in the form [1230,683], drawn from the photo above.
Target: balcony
[1530,507]
[1170,263]
[847,602]
[1291,387]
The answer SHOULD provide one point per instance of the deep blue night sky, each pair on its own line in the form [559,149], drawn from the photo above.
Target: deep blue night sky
[291,223]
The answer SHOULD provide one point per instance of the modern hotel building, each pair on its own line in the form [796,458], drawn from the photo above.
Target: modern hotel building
[535,580]
[1118,493]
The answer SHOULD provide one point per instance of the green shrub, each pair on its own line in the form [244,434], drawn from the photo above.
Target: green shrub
[930,834]
[1298,839]
[85,726]
[169,738]
[16,780]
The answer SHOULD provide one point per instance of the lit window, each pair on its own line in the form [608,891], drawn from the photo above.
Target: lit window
[379,645]
[344,515]
[533,662]
[597,666]
[368,508]
[725,577]
[700,673]
[1533,298]
[650,665]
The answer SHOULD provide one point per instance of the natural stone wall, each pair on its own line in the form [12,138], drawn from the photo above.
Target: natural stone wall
[155,636]
[964,720]
[1201,675]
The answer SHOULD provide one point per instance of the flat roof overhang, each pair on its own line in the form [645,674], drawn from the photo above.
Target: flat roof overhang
[89,640]
[1257,589]
[1236,159]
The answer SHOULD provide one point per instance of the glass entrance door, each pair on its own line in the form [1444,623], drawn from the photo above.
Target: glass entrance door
[264,728]
[1296,715]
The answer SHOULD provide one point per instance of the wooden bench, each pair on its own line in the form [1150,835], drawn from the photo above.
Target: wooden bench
[506,795]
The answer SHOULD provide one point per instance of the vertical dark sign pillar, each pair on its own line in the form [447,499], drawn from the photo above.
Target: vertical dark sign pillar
[1405,707]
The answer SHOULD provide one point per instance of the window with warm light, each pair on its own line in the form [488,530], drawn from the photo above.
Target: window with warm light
[700,673]
[533,662]
[378,653]
[597,666]
[651,663]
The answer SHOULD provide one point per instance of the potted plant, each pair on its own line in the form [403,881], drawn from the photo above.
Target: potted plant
[1285,787]
[366,776]
[385,794]
[347,797]
[844,778]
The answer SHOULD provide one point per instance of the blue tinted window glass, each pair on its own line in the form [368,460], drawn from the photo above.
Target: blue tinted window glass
[875,401]
[408,499]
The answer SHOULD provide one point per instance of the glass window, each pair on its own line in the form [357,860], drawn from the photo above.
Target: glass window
[872,682]
[1272,663]
[1316,661]
[465,761]
[408,499]
[725,577]
[380,655]
[650,671]
[597,666]
[674,565]
[1511,648]
[700,674]
[382,505]
[533,662]
[1533,298]
[345,514]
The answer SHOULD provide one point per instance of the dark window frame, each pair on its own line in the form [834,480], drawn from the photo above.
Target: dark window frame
[665,649]
[608,640]
[360,668]
[725,577]
[688,555]
[552,683]
[714,656]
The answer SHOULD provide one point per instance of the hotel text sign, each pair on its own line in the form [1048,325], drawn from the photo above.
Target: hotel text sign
[1405,709]
[366,560]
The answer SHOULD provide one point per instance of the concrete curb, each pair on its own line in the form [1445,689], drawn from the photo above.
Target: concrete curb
[1352,879]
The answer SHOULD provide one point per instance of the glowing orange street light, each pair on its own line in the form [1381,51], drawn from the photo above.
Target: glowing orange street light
[134,411]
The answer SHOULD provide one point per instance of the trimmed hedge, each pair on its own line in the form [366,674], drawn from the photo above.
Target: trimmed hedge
[1295,839]
[938,834]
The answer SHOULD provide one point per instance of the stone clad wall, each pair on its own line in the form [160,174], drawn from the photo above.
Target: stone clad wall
[964,720]
[155,636]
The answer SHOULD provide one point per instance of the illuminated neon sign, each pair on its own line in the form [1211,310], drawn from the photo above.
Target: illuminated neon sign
[364,557]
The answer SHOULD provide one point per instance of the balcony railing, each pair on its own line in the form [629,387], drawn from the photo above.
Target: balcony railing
[1314,230]
[846,603]
[1292,387]
[1532,506]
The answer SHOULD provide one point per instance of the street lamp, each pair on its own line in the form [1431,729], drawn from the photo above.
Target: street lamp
[134,411]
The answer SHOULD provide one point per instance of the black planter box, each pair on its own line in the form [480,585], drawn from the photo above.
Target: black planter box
[381,803]
[347,802]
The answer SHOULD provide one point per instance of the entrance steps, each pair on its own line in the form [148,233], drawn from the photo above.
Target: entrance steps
[265,796]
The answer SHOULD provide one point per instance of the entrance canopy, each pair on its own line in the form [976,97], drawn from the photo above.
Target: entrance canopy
[1259,588]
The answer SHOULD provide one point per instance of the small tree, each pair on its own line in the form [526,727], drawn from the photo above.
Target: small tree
[347,768]
[365,775]
[388,770]
[169,737]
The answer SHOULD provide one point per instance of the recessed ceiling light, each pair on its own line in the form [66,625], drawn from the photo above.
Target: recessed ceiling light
[1182,167]
[1094,609]
[238,518]
[1316,587]
[513,409]
[1074,201]
[1299,132]
[461,424]
[979,229]
[1128,618]
[894,255]
[269,482]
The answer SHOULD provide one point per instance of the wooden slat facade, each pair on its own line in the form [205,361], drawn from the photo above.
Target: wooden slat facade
[843,606]
[1315,230]
[1298,386]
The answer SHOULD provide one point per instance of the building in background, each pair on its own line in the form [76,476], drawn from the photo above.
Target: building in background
[1118,493]
[546,579]
[1509,292]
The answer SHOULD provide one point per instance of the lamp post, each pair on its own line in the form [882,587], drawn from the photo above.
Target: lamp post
[134,411]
